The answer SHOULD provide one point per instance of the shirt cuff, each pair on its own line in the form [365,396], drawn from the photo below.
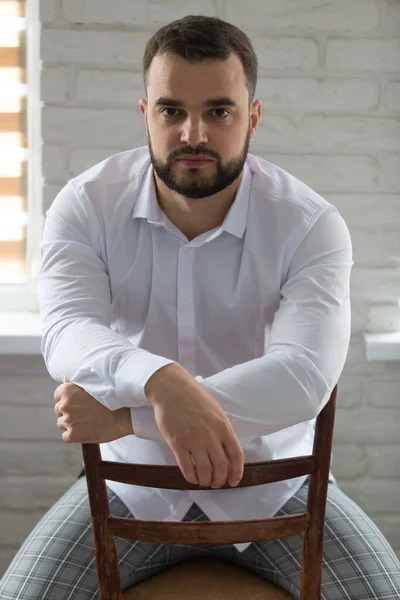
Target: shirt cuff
[132,376]
[144,424]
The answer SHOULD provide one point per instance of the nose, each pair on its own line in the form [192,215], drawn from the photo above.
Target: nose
[194,132]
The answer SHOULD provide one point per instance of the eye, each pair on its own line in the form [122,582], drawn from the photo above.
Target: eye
[221,109]
[169,108]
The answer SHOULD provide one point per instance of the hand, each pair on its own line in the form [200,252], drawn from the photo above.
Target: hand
[195,427]
[84,420]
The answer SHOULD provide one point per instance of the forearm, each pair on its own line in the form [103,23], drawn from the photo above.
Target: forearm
[74,294]
[88,353]
[271,394]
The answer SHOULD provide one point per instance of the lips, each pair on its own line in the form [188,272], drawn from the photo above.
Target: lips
[194,158]
[193,161]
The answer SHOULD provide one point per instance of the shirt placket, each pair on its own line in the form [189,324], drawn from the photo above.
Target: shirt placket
[185,309]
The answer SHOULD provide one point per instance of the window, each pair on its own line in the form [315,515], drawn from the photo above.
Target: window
[13,143]
[20,154]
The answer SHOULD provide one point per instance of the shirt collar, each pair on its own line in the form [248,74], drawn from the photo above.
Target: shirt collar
[147,207]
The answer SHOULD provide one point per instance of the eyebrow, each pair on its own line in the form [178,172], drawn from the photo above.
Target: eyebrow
[223,101]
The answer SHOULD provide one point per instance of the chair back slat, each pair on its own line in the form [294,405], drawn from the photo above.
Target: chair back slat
[171,478]
[209,533]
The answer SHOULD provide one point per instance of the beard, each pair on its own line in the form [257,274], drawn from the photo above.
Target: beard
[192,184]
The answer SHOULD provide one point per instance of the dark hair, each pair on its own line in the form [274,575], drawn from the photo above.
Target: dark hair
[197,38]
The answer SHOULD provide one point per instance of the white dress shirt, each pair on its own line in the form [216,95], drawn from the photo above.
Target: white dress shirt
[257,310]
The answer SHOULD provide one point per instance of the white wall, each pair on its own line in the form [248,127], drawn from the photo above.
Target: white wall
[330,85]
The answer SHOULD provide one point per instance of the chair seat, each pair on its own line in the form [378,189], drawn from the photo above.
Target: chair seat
[205,579]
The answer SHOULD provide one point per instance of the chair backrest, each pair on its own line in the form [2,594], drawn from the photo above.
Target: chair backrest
[311,523]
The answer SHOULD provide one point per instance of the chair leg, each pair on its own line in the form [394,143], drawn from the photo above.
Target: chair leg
[106,553]
[311,573]
[312,554]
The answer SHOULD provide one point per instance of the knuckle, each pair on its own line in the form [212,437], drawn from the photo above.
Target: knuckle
[226,424]
[177,445]
[238,454]
[235,448]
[67,391]
[66,396]
[58,394]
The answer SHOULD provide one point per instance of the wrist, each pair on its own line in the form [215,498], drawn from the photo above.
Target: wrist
[154,386]
[123,422]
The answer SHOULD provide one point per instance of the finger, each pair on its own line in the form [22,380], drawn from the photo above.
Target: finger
[235,456]
[58,392]
[61,424]
[65,437]
[184,460]
[203,466]
[220,465]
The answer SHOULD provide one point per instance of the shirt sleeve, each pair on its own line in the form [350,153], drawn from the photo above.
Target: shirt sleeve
[307,346]
[78,344]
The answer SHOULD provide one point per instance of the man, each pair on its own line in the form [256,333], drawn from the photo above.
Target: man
[195,303]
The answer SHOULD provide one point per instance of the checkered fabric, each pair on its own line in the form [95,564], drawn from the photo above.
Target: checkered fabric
[57,560]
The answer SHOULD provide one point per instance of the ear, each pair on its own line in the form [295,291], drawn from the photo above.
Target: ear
[143,107]
[255,114]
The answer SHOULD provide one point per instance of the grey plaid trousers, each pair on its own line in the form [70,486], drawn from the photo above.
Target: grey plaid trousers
[57,560]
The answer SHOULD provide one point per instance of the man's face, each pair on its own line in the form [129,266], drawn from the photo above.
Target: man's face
[198,110]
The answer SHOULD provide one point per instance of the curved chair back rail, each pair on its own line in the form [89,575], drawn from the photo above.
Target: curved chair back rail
[311,523]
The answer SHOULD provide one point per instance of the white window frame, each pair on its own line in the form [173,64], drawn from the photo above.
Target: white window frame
[22,296]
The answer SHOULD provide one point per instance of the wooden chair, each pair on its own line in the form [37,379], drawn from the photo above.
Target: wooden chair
[207,577]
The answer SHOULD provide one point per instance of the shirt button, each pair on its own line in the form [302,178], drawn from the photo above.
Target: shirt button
[185,304]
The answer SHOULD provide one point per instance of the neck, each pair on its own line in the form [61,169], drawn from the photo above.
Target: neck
[194,216]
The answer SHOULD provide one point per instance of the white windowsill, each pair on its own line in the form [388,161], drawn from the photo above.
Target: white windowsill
[382,346]
[20,332]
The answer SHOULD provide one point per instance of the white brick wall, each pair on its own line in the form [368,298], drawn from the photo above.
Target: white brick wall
[330,84]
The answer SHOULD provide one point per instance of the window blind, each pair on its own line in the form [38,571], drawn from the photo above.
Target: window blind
[13,141]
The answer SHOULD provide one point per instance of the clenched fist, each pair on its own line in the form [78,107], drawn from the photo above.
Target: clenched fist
[84,420]
[195,428]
